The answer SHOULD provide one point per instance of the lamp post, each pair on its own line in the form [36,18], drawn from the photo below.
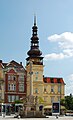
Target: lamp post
[31,78]
[60,98]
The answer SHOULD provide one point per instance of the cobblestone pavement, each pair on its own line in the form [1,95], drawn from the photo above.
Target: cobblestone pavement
[50,118]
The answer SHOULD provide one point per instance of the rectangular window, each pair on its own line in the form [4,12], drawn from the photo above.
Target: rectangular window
[8,86]
[11,87]
[36,75]
[12,98]
[17,97]
[14,87]
[9,77]
[21,77]
[45,89]
[0,86]
[36,90]
[59,88]
[9,98]
[58,98]
[21,87]
[52,99]
[14,77]
[52,88]
[36,78]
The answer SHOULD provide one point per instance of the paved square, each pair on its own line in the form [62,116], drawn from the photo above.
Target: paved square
[50,118]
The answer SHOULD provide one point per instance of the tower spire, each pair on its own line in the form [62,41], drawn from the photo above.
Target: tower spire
[34,50]
[34,20]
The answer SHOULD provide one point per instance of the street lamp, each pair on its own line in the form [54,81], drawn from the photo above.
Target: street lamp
[31,78]
[60,98]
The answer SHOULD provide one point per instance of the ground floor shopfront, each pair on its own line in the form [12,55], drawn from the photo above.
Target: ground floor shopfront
[9,109]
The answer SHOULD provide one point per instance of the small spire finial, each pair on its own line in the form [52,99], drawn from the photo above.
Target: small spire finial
[34,19]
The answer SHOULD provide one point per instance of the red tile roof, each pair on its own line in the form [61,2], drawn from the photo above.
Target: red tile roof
[53,80]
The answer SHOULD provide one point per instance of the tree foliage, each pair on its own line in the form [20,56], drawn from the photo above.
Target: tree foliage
[18,101]
[67,102]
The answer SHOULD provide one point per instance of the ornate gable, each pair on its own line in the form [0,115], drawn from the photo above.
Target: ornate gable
[12,71]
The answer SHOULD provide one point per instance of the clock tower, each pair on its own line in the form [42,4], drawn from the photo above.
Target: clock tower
[34,65]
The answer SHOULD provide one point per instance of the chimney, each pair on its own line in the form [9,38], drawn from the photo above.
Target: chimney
[20,63]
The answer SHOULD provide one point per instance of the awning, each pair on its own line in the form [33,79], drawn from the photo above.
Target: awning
[50,107]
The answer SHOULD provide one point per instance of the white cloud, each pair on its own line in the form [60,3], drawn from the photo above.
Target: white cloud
[65,44]
[54,56]
[68,36]
[68,52]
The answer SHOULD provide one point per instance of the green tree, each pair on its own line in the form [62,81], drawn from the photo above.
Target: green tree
[18,101]
[67,102]
[62,102]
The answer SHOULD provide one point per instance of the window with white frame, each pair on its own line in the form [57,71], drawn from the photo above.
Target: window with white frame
[11,77]
[12,98]
[21,87]
[9,98]
[17,97]
[9,86]
[21,77]
[12,87]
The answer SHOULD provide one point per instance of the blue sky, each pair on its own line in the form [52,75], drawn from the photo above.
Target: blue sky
[55,31]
